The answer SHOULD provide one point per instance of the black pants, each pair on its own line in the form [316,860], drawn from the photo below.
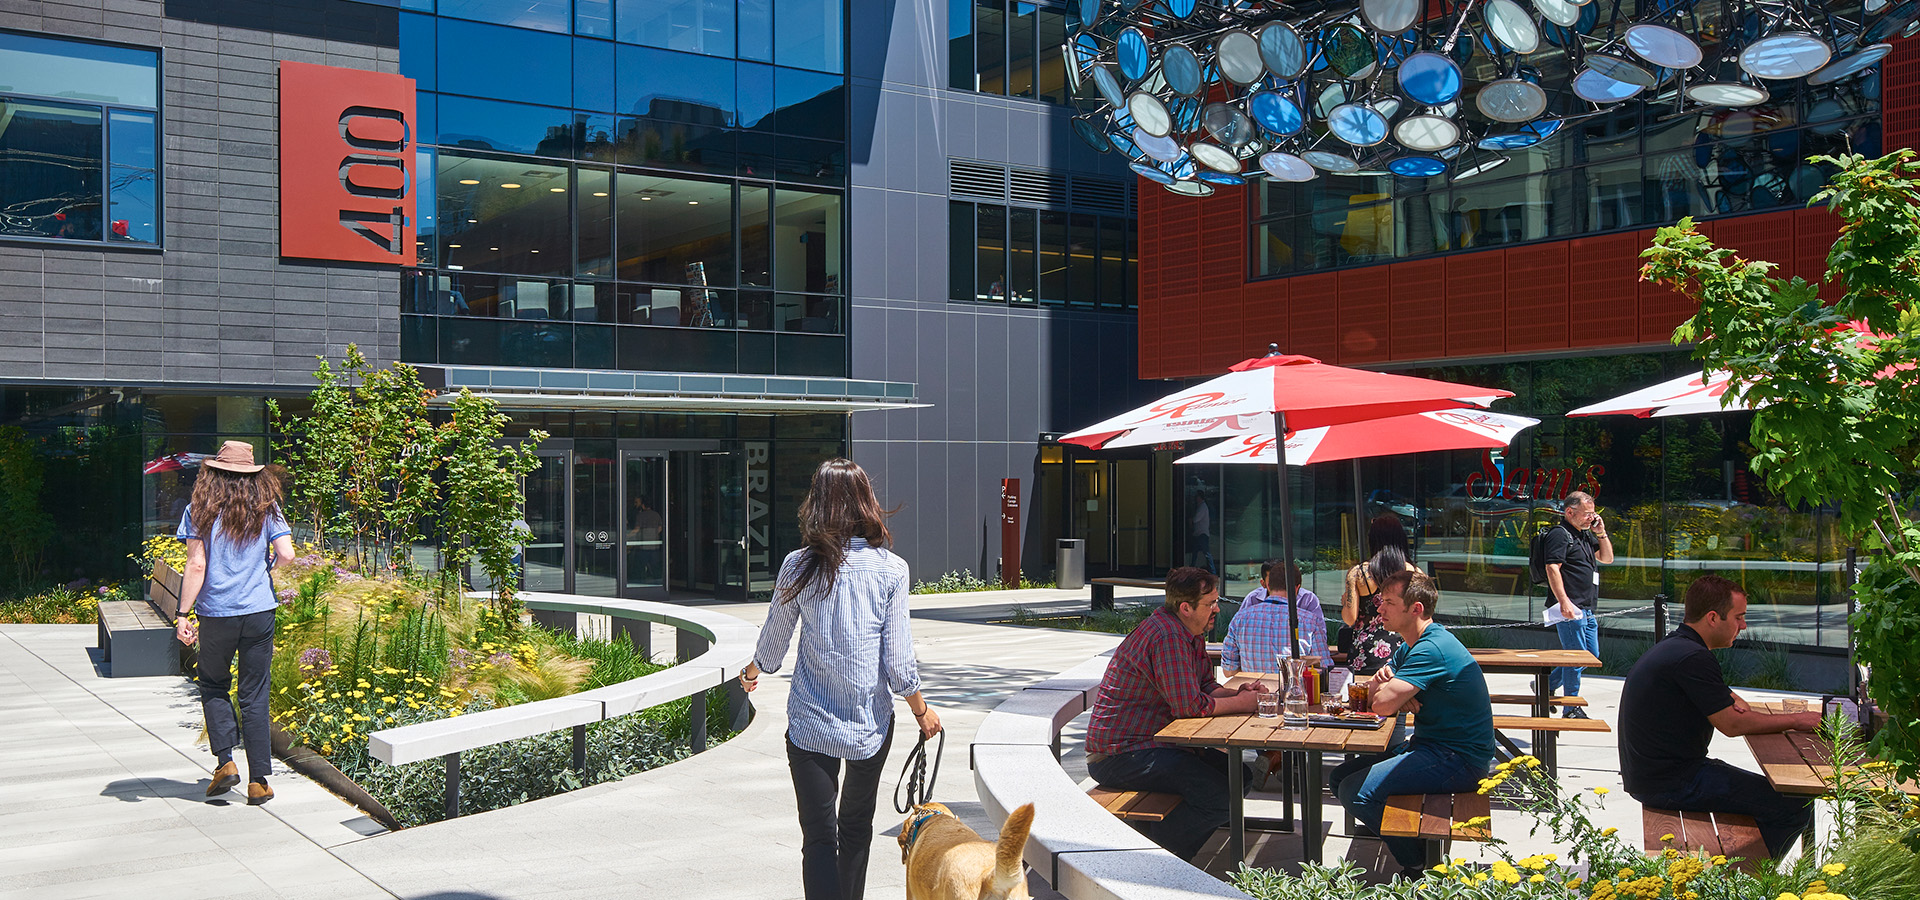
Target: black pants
[1721,788]
[251,637]
[834,843]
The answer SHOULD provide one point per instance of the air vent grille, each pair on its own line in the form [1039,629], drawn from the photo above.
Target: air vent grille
[1039,188]
[1101,195]
[976,181]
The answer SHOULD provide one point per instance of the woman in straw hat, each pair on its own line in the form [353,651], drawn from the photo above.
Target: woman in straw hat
[230,523]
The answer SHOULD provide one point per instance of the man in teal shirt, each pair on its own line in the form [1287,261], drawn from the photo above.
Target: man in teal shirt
[1434,677]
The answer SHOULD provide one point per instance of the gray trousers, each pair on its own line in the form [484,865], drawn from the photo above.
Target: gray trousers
[251,638]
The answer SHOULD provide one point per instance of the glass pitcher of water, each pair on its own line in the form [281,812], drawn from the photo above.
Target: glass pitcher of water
[1294,701]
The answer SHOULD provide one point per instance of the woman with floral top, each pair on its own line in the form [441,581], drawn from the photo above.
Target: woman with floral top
[1367,640]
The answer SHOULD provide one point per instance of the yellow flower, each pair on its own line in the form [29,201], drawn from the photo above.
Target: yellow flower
[1440,869]
[1665,838]
[1832,869]
[1504,871]
[1602,791]
[1537,878]
[1608,831]
[1717,860]
[1533,762]
[1789,895]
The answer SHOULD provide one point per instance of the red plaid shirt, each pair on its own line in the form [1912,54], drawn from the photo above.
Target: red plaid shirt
[1159,673]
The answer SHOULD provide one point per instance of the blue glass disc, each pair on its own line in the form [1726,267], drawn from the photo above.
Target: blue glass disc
[1591,85]
[1089,11]
[1086,49]
[1125,145]
[1090,135]
[1186,113]
[1109,87]
[1430,78]
[1284,54]
[1417,166]
[1220,177]
[1181,68]
[1361,126]
[1152,173]
[1275,113]
[1510,141]
[1131,48]
[1180,8]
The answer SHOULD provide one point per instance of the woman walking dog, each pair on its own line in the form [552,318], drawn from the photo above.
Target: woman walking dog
[851,594]
[230,522]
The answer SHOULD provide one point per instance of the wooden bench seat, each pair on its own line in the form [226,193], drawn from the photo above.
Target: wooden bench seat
[1103,588]
[1136,806]
[1437,819]
[1528,699]
[136,636]
[1714,834]
[1545,730]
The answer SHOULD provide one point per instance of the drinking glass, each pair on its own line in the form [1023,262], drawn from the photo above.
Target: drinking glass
[1267,704]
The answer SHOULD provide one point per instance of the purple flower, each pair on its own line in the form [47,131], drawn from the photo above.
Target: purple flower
[501,658]
[314,659]
[104,590]
[459,658]
[286,595]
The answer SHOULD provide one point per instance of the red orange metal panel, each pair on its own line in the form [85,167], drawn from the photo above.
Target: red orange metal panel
[1603,296]
[1363,315]
[1814,231]
[1662,309]
[1263,317]
[1313,316]
[1476,309]
[346,164]
[1416,308]
[1537,286]
[1900,95]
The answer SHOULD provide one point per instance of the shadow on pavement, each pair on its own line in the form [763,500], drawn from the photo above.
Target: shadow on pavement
[976,686]
[134,790]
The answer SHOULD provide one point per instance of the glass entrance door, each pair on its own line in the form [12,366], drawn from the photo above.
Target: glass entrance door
[595,531]
[644,529]
[546,514]
[706,526]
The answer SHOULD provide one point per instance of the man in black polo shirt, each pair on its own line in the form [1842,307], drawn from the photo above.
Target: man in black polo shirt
[1575,549]
[1676,697]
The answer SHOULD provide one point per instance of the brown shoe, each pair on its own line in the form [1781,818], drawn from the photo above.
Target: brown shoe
[224,778]
[258,793]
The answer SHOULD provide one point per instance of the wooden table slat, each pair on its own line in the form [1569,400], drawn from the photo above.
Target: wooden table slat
[1180,730]
[1783,765]
[1529,723]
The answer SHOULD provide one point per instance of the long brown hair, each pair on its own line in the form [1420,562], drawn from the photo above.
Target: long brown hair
[840,506]
[240,503]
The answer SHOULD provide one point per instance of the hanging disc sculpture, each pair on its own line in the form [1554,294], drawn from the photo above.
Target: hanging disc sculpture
[1200,94]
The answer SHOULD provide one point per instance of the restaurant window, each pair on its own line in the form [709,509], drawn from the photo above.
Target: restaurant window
[1014,254]
[1008,47]
[79,150]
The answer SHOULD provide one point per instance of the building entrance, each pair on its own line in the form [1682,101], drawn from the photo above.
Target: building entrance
[655,520]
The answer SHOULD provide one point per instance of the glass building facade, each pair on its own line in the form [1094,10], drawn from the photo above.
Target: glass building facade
[629,185]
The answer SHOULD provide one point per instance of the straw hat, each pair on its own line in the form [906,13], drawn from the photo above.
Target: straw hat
[234,456]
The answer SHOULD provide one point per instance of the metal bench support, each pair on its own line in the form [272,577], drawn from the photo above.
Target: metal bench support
[453,784]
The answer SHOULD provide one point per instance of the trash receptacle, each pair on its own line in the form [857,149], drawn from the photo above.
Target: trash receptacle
[1070,564]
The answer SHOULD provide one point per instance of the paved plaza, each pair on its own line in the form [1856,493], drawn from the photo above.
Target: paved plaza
[102,790]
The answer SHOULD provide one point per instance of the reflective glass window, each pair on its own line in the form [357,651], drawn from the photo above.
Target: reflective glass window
[1273,246]
[990,45]
[990,253]
[756,310]
[133,170]
[501,63]
[77,70]
[810,104]
[593,18]
[675,145]
[960,75]
[1613,192]
[417,50]
[756,235]
[1023,235]
[1083,266]
[756,29]
[504,215]
[674,230]
[505,127]
[593,82]
[1129,295]
[1053,256]
[541,15]
[681,87]
[1020,33]
[596,137]
[807,34]
[754,96]
[426,244]
[50,162]
[695,26]
[1049,73]
[1113,261]
[593,195]
[809,161]
[960,251]
[1504,211]
[818,355]
[806,241]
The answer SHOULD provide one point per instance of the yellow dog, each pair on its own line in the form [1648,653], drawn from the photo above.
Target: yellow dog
[946,860]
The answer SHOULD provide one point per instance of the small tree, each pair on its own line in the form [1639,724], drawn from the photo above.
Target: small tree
[482,475]
[24,525]
[1839,383]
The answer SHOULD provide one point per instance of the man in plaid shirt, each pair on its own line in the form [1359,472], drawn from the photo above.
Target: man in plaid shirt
[1258,633]
[1158,674]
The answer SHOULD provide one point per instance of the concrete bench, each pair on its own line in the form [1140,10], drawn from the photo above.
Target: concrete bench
[1076,843]
[1438,820]
[136,637]
[713,648]
[1103,588]
[1714,834]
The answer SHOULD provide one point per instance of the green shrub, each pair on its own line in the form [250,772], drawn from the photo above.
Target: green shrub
[963,581]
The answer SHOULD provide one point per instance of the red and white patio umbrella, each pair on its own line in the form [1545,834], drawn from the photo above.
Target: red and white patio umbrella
[1451,429]
[1281,392]
[1683,396]
[173,463]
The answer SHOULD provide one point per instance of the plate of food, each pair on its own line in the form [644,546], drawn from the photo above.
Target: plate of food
[1345,720]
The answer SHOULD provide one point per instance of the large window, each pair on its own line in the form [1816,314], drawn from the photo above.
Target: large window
[1019,255]
[1008,47]
[79,141]
[1630,168]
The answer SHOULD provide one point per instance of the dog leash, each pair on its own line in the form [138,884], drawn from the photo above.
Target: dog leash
[919,784]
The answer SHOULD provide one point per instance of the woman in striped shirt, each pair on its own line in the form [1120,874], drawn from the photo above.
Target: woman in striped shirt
[855,647]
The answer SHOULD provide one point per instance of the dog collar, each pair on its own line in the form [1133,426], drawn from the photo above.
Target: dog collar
[920,819]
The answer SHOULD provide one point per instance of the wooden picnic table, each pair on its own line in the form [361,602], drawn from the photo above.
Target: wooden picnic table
[1798,762]
[1239,733]
[1538,663]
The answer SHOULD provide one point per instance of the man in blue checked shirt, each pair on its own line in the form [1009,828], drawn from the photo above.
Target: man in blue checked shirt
[1258,632]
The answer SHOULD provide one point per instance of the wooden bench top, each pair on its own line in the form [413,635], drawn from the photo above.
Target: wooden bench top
[1440,816]
[1136,806]
[1511,661]
[1532,723]
[1715,834]
[1529,699]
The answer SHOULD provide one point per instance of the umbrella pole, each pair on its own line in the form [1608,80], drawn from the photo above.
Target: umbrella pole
[1286,537]
[1359,514]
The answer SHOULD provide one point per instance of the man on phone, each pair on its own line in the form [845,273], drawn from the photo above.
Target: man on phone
[1576,548]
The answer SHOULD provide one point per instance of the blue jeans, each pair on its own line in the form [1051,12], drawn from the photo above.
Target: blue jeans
[1721,788]
[1364,785]
[1198,776]
[1581,635]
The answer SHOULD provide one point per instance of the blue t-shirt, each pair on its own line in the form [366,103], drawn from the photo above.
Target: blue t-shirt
[237,582]
[1456,711]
